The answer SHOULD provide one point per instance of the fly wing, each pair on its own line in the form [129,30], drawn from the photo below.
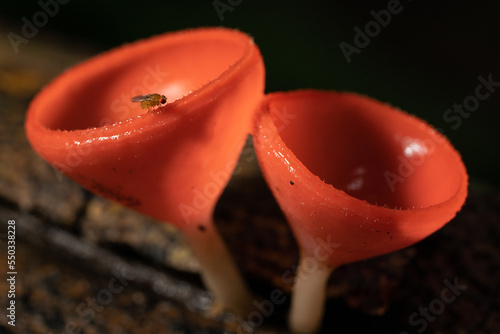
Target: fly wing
[140,98]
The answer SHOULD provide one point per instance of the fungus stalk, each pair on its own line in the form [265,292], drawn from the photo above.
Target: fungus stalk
[155,162]
[218,269]
[309,297]
[327,169]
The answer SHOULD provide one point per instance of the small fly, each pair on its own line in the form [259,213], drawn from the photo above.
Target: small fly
[150,100]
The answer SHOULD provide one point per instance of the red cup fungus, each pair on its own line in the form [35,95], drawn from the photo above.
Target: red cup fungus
[355,174]
[170,162]
[347,171]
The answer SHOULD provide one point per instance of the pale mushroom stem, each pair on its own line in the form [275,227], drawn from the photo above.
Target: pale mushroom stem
[218,270]
[308,297]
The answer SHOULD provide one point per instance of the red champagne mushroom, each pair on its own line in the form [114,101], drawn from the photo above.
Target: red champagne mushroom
[172,161]
[356,178]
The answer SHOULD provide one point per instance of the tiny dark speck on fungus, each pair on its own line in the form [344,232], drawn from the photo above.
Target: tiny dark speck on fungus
[201,228]
[291,182]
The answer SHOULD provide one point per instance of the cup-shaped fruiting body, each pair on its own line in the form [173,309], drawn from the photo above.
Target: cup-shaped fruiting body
[355,177]
[171,161]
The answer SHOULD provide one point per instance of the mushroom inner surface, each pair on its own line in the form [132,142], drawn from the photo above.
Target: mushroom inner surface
[368,149]
[99,92]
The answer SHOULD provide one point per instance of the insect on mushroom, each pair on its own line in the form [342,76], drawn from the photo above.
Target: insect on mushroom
[150,100]
[174,158]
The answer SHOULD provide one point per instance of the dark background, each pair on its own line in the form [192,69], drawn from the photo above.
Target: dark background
[427,58]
